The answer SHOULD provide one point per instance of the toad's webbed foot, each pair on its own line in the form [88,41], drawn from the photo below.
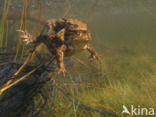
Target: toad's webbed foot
[27,37]
[93,54]
[62,71]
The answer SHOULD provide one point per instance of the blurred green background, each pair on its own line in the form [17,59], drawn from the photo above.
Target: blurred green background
[123,33]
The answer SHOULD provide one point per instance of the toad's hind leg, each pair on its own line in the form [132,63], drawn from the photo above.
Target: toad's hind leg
[93,53]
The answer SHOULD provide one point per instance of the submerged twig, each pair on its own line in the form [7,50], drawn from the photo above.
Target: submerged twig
[91,11]
[6,41]
[17,81]
[68,10]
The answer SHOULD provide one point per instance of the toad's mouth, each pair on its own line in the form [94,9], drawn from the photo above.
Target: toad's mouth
[79,36]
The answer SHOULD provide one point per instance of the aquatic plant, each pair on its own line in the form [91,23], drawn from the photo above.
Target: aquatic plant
[3,20]
[22,24]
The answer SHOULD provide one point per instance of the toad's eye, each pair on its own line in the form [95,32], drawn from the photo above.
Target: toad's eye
[78,33]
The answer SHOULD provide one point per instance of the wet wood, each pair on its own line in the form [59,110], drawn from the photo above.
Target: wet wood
[15,100]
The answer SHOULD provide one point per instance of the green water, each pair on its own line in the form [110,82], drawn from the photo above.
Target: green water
[128,26]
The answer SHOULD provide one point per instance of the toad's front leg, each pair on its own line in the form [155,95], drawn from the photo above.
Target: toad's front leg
[60,57]
[93,53]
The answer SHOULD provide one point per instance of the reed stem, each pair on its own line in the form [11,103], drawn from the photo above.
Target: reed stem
[6,41]
[25,24]
[3,20]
